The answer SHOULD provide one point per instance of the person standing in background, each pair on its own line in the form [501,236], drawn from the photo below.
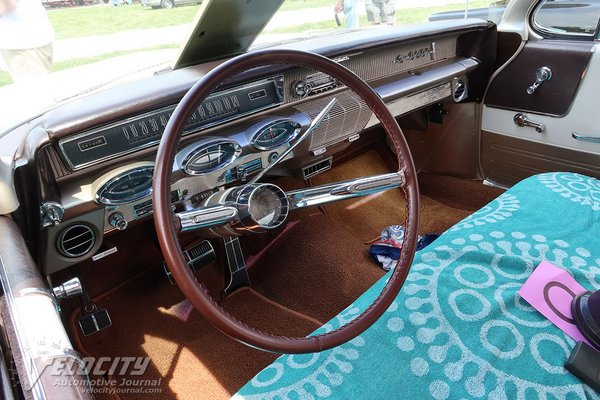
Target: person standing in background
[350,9]
[26,38]
[381,12]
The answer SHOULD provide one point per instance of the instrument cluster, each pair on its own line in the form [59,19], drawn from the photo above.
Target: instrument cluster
[201,166]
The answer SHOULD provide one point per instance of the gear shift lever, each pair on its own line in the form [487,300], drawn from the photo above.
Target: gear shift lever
[586,313]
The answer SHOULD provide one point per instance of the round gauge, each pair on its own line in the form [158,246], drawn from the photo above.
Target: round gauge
[276,134]
[209,157]
[126,186]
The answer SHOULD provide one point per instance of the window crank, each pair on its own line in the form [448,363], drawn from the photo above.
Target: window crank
[541,75]
[521,119]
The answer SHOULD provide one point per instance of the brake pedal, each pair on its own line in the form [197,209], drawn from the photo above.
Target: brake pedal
[197,256]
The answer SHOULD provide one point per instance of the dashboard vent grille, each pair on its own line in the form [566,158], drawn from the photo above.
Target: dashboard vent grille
[317,168]
[76,241]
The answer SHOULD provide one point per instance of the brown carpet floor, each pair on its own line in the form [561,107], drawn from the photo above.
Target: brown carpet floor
[365,217]
[193,360]
[317,277]
[463,194]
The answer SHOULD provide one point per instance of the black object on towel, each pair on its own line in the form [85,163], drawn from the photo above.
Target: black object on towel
[584,363]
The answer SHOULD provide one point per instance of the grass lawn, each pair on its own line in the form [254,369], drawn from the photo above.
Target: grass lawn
[290,5]
[102,19]
[98,20]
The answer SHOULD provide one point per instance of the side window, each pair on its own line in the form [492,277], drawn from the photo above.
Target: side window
[567,18]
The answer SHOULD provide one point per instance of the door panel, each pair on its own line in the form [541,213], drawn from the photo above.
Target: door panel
[509,152]
[566,59]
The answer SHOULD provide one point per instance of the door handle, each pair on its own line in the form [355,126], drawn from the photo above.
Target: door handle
[521,119]
[591,139]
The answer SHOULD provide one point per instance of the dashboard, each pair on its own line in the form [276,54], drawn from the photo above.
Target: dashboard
[95,158]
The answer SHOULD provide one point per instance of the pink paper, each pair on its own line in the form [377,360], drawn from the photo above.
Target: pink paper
[550,290]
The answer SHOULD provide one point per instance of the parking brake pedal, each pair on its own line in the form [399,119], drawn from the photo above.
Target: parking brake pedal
[197,256]
[92,319]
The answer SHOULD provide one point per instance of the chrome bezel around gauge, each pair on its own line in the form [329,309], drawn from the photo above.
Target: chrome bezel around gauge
[281,139]
[103,185]
[186,158]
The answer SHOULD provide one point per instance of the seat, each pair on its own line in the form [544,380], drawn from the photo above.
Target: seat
[458,328]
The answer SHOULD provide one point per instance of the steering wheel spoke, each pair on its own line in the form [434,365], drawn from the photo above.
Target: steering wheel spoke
[332,192]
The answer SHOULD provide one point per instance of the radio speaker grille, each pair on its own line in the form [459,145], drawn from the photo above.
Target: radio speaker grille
[347,118]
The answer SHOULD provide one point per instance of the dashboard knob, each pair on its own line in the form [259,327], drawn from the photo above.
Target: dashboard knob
[300,88]
[118,221]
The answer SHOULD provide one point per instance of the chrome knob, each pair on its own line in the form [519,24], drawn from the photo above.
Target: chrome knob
[70,288]
[542,75]
[117,220]
[52,213]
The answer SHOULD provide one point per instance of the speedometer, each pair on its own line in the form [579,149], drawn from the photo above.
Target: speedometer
[208,156]
[276,134]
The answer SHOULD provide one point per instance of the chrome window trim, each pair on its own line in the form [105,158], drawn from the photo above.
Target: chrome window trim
[554,34]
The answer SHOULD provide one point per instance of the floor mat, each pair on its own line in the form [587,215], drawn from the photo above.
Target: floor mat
[365,217]
[191,358]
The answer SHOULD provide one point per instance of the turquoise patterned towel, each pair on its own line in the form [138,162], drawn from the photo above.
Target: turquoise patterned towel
[458,329]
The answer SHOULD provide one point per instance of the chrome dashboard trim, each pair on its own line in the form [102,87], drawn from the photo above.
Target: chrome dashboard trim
[428,78]
[278,81]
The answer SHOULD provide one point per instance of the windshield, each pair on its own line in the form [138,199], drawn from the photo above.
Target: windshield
[53,50]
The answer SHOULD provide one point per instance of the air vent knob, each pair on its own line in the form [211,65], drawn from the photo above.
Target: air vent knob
[118,221]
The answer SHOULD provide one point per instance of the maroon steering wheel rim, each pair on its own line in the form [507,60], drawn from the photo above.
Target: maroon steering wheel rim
[166,226]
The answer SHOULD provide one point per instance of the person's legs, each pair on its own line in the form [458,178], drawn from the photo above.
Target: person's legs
[23,63]
[351,13]
[373,12]
[388,13]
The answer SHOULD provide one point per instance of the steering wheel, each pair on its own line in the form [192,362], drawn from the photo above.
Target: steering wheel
[234,206]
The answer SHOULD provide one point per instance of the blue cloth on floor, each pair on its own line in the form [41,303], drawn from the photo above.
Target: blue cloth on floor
[386,250]
[458,329]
